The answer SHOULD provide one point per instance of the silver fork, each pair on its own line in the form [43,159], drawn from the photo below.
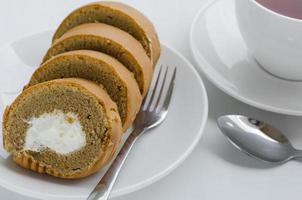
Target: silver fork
[153,111]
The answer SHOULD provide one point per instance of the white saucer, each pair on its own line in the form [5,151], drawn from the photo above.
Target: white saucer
[156,153]
[222,55]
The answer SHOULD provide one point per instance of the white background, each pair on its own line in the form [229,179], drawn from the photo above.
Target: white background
[215,170]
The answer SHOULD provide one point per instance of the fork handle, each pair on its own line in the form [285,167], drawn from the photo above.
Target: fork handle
[104,187]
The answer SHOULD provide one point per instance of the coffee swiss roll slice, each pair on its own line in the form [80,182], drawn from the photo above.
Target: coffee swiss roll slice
[119,15]
[100,68]
[67,128]
[109,40]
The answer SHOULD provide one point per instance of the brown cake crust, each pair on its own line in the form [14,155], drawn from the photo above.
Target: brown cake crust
[114,134]
[115,39]
[149,38]
[134,97]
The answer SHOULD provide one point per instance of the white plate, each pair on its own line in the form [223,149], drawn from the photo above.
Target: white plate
[222,55]
[155,154]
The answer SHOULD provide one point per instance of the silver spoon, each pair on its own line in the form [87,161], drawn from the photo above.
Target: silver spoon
[258,139]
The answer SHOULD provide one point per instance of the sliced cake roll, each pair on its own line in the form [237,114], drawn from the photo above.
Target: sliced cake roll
[112,41]
[119,15]
[67,128]
[99,68]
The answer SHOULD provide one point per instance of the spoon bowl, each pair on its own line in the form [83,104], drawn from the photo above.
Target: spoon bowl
[258,139]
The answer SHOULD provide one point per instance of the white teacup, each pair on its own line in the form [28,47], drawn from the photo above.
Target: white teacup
[275,40]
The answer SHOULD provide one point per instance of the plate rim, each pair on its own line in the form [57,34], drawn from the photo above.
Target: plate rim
[140,185]
[203,64]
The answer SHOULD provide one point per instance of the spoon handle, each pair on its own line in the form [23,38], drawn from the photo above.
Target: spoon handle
[297,154]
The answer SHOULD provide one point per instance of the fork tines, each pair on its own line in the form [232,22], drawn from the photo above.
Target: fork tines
[158,97]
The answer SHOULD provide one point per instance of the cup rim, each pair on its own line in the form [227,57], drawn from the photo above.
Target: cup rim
[275,13]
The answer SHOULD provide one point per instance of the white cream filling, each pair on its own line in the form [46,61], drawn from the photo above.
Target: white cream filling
[59,132]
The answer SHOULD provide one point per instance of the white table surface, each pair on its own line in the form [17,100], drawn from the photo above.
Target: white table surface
[215,170]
